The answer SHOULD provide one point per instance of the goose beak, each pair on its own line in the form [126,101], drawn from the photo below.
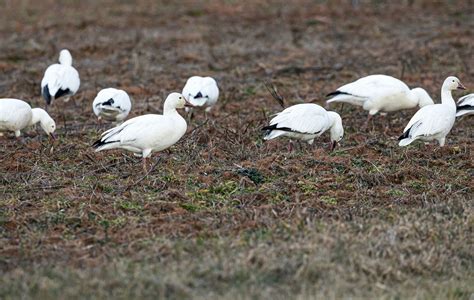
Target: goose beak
[188,104]
[333,145]
[461,86]
[53,137]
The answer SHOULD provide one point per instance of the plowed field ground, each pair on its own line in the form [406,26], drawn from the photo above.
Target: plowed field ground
[224,214]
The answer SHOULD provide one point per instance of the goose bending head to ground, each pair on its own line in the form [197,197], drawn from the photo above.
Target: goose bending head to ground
[433,122]
[60,79]
[380,93]
[201,92]
[16,115]
[465,105]
[150,133]
[305,122]
[112,105]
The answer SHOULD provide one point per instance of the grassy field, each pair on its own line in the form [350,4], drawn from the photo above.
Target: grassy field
[223,214]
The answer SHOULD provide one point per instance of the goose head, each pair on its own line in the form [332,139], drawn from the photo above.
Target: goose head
[421,97]
[46,122]
[176,101]
[65,57]
[336,131]
[452,83]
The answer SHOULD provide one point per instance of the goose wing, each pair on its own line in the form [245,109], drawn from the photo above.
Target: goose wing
[303,118]
[366,88]
[61,77]
[427,121]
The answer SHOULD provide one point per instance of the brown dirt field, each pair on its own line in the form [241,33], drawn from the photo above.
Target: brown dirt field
[223,214]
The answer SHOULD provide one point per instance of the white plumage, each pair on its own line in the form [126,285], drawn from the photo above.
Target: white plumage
[16,115]
[305,122]
[60,79]
[148,133]
[201,91]
[433,122]
[465,105]
[112,105]
[380,93]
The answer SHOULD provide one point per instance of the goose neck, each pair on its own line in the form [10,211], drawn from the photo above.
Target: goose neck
[447,97]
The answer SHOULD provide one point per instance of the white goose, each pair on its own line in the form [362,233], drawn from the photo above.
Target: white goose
[16,115]
[201,92]
[112,105]
[60,79]
[433,122]
[305,122]
[380,93]
[148,133]
[465,105]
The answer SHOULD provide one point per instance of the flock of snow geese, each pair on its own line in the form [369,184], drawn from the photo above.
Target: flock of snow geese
[150,133]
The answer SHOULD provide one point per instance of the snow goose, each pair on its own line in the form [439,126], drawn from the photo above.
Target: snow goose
[433,122]
[305,122]
[16,115]
[112,105]
[465,105]
[380,93]
[148,133]
[60,79]
[201,92]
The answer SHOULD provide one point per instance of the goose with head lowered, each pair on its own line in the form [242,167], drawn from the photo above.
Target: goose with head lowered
[434,122]
[112,105]
[380,93]
[201,92]
[60,79]
[465,105]
[16,115]
[150,133]
[306,122]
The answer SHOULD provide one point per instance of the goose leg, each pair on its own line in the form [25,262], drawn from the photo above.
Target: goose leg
[145,154]
[366,125]
[190,114]
[387,124]
[300,146]
[98,122]
[144,165]
[442,141]
[207,112]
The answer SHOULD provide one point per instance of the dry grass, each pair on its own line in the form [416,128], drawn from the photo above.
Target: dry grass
[224,214]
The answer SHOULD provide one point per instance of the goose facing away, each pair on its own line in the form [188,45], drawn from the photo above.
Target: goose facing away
[201,92]
[380,93]
[112,105]
[433,122]
[60,79]
[305,122]
[465,105]
[16,115]
[150,133]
